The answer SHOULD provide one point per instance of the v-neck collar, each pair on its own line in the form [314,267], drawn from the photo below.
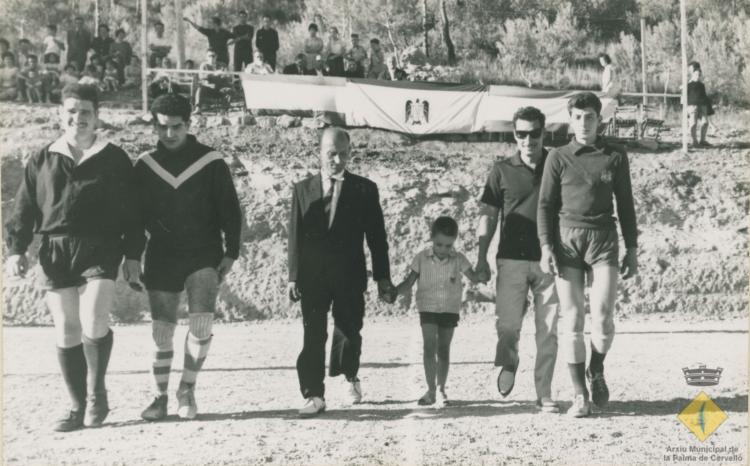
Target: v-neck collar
[61,147]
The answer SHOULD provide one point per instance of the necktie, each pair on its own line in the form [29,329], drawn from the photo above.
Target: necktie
[328,197]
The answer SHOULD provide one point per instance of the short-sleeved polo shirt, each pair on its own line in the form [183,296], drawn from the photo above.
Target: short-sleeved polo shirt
[439,287]
[513,187]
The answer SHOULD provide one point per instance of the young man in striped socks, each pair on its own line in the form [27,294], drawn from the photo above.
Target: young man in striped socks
[190,209]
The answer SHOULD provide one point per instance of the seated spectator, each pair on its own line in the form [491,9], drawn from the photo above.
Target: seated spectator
[69,75]
[352,68]
[210,85]
[52,45]
[161,85]
[132,74]
[313,46]
[298,67]
[4,48]
[167,63]
[394,72]
[9,78]
[32,78]
[158,61]
[358,55]
[319,66]
[189,64]
[51,78]
[90,76]
[111,81]
[259,65]
[376,67]
[334,52]
[102,43]
[121,51]
[158,44]
[22,58]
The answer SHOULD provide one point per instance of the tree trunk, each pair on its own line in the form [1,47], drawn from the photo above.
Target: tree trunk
[389,29]
[426,44]
[447,35]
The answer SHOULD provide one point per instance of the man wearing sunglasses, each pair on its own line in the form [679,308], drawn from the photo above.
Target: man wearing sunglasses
[512,193]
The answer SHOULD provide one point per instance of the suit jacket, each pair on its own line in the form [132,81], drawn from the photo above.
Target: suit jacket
[320,256]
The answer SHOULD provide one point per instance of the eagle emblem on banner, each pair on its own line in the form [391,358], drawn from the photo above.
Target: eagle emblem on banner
[417,112]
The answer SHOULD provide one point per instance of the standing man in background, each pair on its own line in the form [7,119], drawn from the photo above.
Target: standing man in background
[267,41]
[158,44]
[79,42]
[242,38]
[218,39]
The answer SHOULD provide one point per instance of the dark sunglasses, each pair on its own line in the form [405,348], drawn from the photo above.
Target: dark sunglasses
[535,133]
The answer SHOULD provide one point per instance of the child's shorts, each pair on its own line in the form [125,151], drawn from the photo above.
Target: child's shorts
[168,269]
[581,248]
[441,319]
[72,261]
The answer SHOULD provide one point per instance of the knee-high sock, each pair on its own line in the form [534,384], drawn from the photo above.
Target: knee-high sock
[197,343]
[73,366]
[163,334]
[97,352]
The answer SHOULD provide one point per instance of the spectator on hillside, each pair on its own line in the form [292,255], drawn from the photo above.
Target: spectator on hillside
[158,44]
[267,41]
[610,86]
[121,51]
[111,81]
[376,67]
[9,78]
[319,66]
[102,43]
[358,56]
[189,65]
[69,75]
[4,48]
[298,67]
[698,106]
[313,46]
[52,45]
[167,63]
[90,77]
[31,76]
[51,78]
[242,38]
[218,38]
[211,86]
[24,51]
[334,52]
[259,65]
[394,72]
[133,74]
[79,43]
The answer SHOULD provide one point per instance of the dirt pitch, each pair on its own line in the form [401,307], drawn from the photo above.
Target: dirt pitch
[248,395]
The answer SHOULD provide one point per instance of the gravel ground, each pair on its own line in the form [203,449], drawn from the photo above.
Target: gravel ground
[248,395]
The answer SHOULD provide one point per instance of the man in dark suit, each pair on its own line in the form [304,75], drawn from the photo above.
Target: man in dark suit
[298,67]
[267,41]
[332,215]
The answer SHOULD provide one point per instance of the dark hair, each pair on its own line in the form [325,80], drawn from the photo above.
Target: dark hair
[9,54]
[119,31]
[189,61]
[375,41]
[216,20]
[606,58]
[300,56]
[91,68]
[79,18]
[694,65]
[104,26]
[32,56]
[112,62]
[81,92]
[4,41]
[171,104]
[70,65]
[52,27]
[446,226]
[355,35]
[529,114]
[51,57]
[158,23]
[312,26]
[585,100]
[24,41]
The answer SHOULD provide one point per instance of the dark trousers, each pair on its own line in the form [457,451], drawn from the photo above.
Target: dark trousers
[348,310]
[243,56]
[270,58]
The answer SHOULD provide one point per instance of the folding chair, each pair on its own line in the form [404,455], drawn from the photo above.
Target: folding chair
[626,117]
[651,121]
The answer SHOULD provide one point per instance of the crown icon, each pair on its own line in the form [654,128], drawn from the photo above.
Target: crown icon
[702,376]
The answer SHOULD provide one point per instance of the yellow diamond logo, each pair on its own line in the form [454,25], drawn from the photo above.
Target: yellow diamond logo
[702,416]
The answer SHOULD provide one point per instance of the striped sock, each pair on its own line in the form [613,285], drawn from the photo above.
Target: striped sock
[197,343]
[163,333]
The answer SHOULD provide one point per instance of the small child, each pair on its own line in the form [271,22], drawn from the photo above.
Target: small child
[133,74]
[52,46]
[69,75]
[111,81]
[32,76]
[51,78]
[90,76]
[437,271]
